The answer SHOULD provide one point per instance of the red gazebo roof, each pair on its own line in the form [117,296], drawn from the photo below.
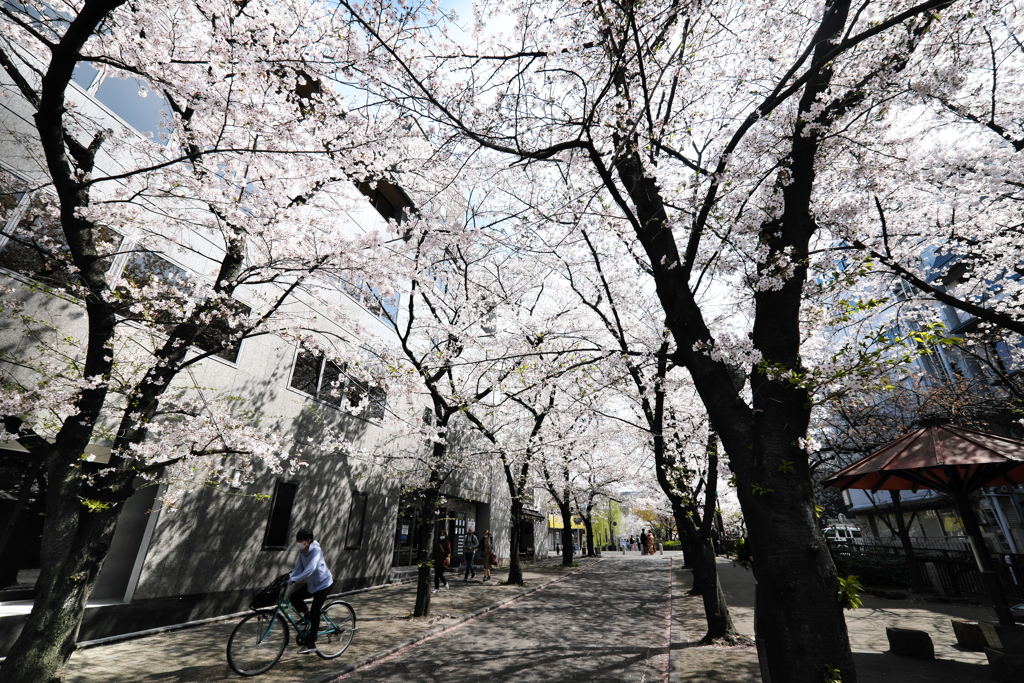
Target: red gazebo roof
[941,457]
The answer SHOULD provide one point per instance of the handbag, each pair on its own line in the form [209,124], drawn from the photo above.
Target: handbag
[494,559]
[447,561]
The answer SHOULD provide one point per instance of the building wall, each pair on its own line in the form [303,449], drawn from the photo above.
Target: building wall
[206,556]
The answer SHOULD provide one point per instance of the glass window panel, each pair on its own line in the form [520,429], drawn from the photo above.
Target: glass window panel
[36,246]
[390,305]
[12,190]
[332,386]
[384,207]
[147,268]
[213,335]
[306,374]
[378,402]
[124,97]
[84,74]
[356,391]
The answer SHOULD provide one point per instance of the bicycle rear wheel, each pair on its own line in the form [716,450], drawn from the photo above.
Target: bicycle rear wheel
[257,643]
[337,626]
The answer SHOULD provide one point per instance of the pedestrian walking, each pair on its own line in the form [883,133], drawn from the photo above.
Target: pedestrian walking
[472,544]
[442,557]
[632,542]
[650,543]
[310,578]
[643,541]
[487,548]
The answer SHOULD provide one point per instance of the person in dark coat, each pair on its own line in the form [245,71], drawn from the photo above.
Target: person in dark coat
[487,548]
[471,546]
[643,541]
[442,557]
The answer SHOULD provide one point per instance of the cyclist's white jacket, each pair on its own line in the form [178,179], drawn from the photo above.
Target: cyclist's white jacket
[311,568]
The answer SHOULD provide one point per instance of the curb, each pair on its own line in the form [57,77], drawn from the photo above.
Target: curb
[338,674]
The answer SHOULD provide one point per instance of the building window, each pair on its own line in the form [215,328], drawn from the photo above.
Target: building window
[32,241]
[371,298]
[138,105]
[327,381]
[217,338]
[280,517]
[12,190]
[146,268]
[356,522]
[388,199]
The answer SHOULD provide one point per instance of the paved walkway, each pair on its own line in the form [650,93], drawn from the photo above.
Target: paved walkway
[620,619]
[867,638]
[608,623]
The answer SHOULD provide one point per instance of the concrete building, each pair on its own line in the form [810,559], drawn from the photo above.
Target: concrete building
[207,556]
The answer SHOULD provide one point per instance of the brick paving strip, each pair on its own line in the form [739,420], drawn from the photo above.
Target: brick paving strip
[197,653]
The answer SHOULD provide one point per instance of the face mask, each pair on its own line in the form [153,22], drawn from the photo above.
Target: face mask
[442,537]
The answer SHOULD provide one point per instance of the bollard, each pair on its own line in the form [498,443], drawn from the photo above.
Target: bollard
[623,550]
[661,548]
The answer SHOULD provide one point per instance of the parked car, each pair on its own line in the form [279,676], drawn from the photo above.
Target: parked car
[846,534]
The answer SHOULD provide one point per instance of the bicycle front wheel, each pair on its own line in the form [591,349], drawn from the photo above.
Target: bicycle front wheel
[337,626]
[257,643]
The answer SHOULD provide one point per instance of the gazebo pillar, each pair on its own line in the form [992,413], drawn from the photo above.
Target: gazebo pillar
[983,558]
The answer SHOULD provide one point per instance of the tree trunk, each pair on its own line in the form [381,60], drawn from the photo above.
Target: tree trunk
[799,619]
[690,541]
[706,584]
[716,610]
[567,537]
[686,545]
[426,523]
[69,572]
[589,524]
[515,567]
[903,533]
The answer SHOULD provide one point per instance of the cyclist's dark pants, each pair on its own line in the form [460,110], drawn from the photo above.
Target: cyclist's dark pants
[298,599]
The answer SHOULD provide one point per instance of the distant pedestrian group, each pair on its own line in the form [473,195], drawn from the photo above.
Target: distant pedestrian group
[645,543]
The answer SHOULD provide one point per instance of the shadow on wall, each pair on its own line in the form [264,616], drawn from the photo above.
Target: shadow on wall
[217,541]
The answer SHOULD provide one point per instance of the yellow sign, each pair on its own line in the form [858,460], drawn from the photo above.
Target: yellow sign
[555,522]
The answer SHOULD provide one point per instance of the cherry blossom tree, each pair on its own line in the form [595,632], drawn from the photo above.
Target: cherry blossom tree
[943,214]
[249,181]
[729,140]
[662,404]
[472,337]
[534,403]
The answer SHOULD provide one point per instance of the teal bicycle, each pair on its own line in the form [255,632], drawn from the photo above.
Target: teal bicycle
[259,639]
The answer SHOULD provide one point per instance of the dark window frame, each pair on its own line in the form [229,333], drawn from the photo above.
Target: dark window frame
[350,390]
[209,336]
[279,519]
[355,532]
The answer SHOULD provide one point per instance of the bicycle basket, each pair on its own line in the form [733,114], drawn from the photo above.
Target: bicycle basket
[267,597]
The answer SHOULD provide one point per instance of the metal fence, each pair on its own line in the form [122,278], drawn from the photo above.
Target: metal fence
[942,570]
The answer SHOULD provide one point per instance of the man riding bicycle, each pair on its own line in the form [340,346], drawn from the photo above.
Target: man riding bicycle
[309,578]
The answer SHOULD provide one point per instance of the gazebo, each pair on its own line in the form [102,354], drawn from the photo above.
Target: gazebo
[955,461]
